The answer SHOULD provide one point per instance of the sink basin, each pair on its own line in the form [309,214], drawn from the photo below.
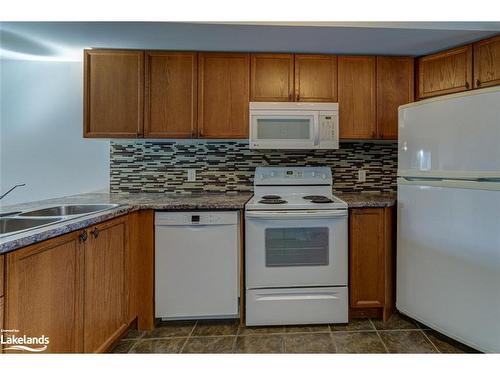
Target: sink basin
[13,213]
[15,224]
[69,210]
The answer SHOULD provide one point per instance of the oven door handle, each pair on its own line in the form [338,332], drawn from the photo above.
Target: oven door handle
[273,215]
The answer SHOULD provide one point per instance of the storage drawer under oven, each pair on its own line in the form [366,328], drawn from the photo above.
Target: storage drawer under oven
[283,306]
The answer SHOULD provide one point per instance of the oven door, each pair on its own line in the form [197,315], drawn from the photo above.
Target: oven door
[296,248]
[284,129]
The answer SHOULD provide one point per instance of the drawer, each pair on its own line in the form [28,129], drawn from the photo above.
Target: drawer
[296,306]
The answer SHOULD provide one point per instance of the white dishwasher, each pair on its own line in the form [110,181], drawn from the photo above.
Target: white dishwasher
[196,264]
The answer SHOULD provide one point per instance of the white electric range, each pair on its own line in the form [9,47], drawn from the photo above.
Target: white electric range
[296,248]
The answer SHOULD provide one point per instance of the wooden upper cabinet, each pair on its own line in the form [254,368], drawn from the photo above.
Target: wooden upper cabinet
[356,97]
[223,95]
[445,72]
[394,88]
[487,62]
[113,93]
[43,295]
[315,78]
[106,292]
[171,94]
[272,78]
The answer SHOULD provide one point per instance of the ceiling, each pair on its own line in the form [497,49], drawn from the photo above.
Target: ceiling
[63,41]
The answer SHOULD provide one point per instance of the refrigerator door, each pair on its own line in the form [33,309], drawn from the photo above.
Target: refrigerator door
[454,136]
[448,261]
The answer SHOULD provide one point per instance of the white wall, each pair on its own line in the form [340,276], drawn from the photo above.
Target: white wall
[41,143]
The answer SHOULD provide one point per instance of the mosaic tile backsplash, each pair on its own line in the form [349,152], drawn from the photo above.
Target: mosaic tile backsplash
[148,166]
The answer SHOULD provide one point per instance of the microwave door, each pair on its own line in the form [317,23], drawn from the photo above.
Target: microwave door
[284,130]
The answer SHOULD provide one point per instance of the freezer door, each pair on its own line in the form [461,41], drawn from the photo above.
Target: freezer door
[448,261]
[453,136]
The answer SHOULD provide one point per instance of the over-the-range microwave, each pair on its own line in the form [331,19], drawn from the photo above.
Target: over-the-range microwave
[278,125]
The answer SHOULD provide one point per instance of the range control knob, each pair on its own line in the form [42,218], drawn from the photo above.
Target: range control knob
[323,176]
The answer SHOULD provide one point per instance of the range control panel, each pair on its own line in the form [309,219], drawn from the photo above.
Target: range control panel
[293,176]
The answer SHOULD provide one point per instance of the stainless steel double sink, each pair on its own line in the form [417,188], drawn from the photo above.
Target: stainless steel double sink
[16,222]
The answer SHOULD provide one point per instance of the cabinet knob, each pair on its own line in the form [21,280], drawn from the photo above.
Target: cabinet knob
[298,97]
[290,97]
[478,83]
[83,236]
[95,232]
[466,85]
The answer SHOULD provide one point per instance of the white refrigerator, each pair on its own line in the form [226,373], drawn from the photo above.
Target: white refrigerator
[448,245]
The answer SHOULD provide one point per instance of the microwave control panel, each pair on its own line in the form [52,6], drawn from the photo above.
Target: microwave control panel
[328,130]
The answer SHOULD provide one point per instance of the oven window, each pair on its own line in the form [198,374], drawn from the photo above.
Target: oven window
[290,128]
[286,247]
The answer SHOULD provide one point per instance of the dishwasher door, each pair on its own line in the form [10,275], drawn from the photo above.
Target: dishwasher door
[196,264]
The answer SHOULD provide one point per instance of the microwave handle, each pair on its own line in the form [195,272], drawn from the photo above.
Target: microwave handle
[317,130]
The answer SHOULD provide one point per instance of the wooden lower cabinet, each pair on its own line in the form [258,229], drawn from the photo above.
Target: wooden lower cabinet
[105,281]
[43,292]
[75,289]
[141,270]
[371,262]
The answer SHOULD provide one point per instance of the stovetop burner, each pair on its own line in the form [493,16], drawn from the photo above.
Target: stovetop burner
[322,200]
[273,201]
[314,197]
[271,197]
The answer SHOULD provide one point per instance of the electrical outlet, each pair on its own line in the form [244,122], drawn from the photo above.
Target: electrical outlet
[191,175]
[361,175]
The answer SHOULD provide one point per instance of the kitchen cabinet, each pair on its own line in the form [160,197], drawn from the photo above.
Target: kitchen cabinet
[356,97]
[141,270]
[315,78]
[75,288]
[272,77]
[113,93]
[44,290]
[394,88]
[487,62]
[170,109]
[105,278]
[371,262]
[223,95]
[445,72]
[2,267]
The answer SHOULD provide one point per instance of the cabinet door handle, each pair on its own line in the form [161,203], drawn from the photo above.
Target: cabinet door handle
[83,236]
[466,85]
[298,97]
[290,97]
[95,232]
[478,83]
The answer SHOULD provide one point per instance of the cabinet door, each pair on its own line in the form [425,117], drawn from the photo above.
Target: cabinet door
[445,72]
[367,257]
[315,78]
[223,95]
[105,277]
[394,88]
[272,77]
[43,292]
[170,95]
[356,94]
[487,62]
[113,93]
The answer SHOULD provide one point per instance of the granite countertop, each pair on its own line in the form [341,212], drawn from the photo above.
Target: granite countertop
[360,200]
[155,201]
[127,203]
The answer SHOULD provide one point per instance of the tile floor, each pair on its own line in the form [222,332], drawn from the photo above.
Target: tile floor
[398,335]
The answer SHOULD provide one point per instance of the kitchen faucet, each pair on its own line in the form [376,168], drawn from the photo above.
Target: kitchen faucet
[12,188]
